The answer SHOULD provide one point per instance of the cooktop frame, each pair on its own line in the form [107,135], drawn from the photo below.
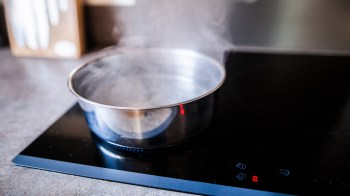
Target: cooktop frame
[280,128]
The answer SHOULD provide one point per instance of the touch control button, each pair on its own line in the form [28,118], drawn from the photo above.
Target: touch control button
[241,166]
[284,172]
[241,176]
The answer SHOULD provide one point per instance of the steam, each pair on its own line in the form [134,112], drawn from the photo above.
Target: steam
[200,25]
[149,80]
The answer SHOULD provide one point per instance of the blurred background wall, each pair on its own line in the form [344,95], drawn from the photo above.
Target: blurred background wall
[301,25]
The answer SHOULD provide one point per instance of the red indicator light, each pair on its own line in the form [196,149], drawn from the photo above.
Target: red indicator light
[255,179]
[182,110]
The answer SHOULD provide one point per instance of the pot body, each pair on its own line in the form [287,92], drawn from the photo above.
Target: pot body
[147,98]
[132,128]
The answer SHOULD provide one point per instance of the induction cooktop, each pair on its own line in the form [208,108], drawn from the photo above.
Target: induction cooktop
[281,126]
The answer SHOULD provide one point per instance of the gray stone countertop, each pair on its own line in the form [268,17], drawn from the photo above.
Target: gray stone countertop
[33,95]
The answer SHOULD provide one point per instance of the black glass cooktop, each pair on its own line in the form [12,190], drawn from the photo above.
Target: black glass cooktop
[281,126]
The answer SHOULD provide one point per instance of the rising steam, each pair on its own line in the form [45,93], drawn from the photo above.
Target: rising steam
[200,25]
[152,80]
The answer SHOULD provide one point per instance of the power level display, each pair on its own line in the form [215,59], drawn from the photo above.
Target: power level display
[255,179]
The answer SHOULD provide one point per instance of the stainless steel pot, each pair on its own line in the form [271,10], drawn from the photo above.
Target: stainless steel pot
[147,98]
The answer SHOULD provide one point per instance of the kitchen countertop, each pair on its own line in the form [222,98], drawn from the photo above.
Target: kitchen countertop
[33,95]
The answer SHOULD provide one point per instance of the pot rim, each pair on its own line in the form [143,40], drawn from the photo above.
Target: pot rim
[184,51]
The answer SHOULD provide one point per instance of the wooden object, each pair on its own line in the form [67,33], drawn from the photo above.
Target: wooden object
[45,28]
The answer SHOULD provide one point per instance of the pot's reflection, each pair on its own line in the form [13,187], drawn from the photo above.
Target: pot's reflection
[119,160]
[177,162]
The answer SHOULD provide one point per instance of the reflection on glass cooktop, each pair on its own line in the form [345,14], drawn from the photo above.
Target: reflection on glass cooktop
[281,126]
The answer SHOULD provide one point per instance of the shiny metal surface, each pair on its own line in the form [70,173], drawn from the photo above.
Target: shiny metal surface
[147,98]
[284,26]
[297,26]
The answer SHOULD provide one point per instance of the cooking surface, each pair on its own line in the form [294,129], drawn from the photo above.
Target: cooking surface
[281,125]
